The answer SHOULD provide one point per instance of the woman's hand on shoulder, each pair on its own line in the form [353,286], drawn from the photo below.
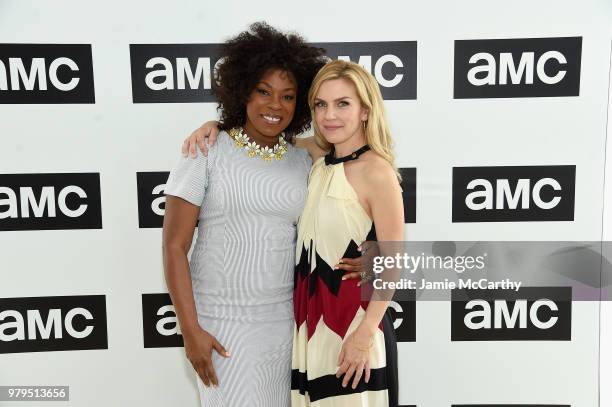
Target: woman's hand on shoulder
[209,130]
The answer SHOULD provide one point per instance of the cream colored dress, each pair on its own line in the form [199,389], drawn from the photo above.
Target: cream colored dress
[327,309]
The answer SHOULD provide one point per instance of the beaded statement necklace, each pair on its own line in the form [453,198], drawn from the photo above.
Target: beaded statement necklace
[242,141]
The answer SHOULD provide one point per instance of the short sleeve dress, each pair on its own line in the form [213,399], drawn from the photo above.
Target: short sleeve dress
[242,265]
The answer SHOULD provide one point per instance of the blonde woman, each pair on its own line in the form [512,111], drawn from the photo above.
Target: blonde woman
[344,351]
[339,349]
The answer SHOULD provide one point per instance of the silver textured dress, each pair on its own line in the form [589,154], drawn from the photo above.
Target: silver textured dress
[242,266]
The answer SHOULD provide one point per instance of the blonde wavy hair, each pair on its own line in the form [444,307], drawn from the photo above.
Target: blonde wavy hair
[377,132]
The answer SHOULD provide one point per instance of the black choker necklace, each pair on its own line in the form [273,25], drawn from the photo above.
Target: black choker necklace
[331,159]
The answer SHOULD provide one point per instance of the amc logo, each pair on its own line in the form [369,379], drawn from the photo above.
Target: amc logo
[181,73]
[151,198]
[160,325]
[40,324]
[514,194]
[532,313]
[526,67]
[50,201]
[392,63]
[173,73]
[46,73]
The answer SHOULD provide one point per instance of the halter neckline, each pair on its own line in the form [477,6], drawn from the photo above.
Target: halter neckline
[330,159]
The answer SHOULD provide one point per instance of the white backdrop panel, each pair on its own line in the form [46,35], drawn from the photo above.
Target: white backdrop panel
[433,133]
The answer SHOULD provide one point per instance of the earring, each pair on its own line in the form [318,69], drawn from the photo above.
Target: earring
[364,122]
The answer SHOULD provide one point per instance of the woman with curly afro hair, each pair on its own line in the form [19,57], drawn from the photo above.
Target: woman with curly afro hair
[248,57]
[344,348]
[235,292]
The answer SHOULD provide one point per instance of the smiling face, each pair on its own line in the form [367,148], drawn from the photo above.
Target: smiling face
[338,112]
[271,106]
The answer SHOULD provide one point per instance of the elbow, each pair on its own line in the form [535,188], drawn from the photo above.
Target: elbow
[173,251]
[174,248]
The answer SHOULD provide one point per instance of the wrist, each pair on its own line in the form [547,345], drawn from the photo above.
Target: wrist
[364,332]
[362,339]
[190,330]
[368,326]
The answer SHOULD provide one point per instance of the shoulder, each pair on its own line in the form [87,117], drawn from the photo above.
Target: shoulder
[301,155]
[309,144]
[204,162]
[219,149]
[303,142]
[378,170]
[223,139]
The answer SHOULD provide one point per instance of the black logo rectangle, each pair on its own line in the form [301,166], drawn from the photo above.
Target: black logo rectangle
[522,67]
[50,201]
[43,324]
[173,73]
[393,64]
[181,73]
[160,327]
[151,198]
[46,74]
[514,193]
[532,313]
[409,193]
[403,316]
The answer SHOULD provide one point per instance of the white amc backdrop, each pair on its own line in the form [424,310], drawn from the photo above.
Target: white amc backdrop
[433,133]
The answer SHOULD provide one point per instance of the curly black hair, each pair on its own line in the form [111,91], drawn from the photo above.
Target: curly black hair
[248,56]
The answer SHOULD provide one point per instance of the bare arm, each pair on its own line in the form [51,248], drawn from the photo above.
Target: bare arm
[387,206]
[385,201]
[179,223]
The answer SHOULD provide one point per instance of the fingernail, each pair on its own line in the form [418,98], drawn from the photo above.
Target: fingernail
[336,267]
[344,278]
[359,249]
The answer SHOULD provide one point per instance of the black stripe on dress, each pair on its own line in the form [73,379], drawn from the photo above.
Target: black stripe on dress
[330,386]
